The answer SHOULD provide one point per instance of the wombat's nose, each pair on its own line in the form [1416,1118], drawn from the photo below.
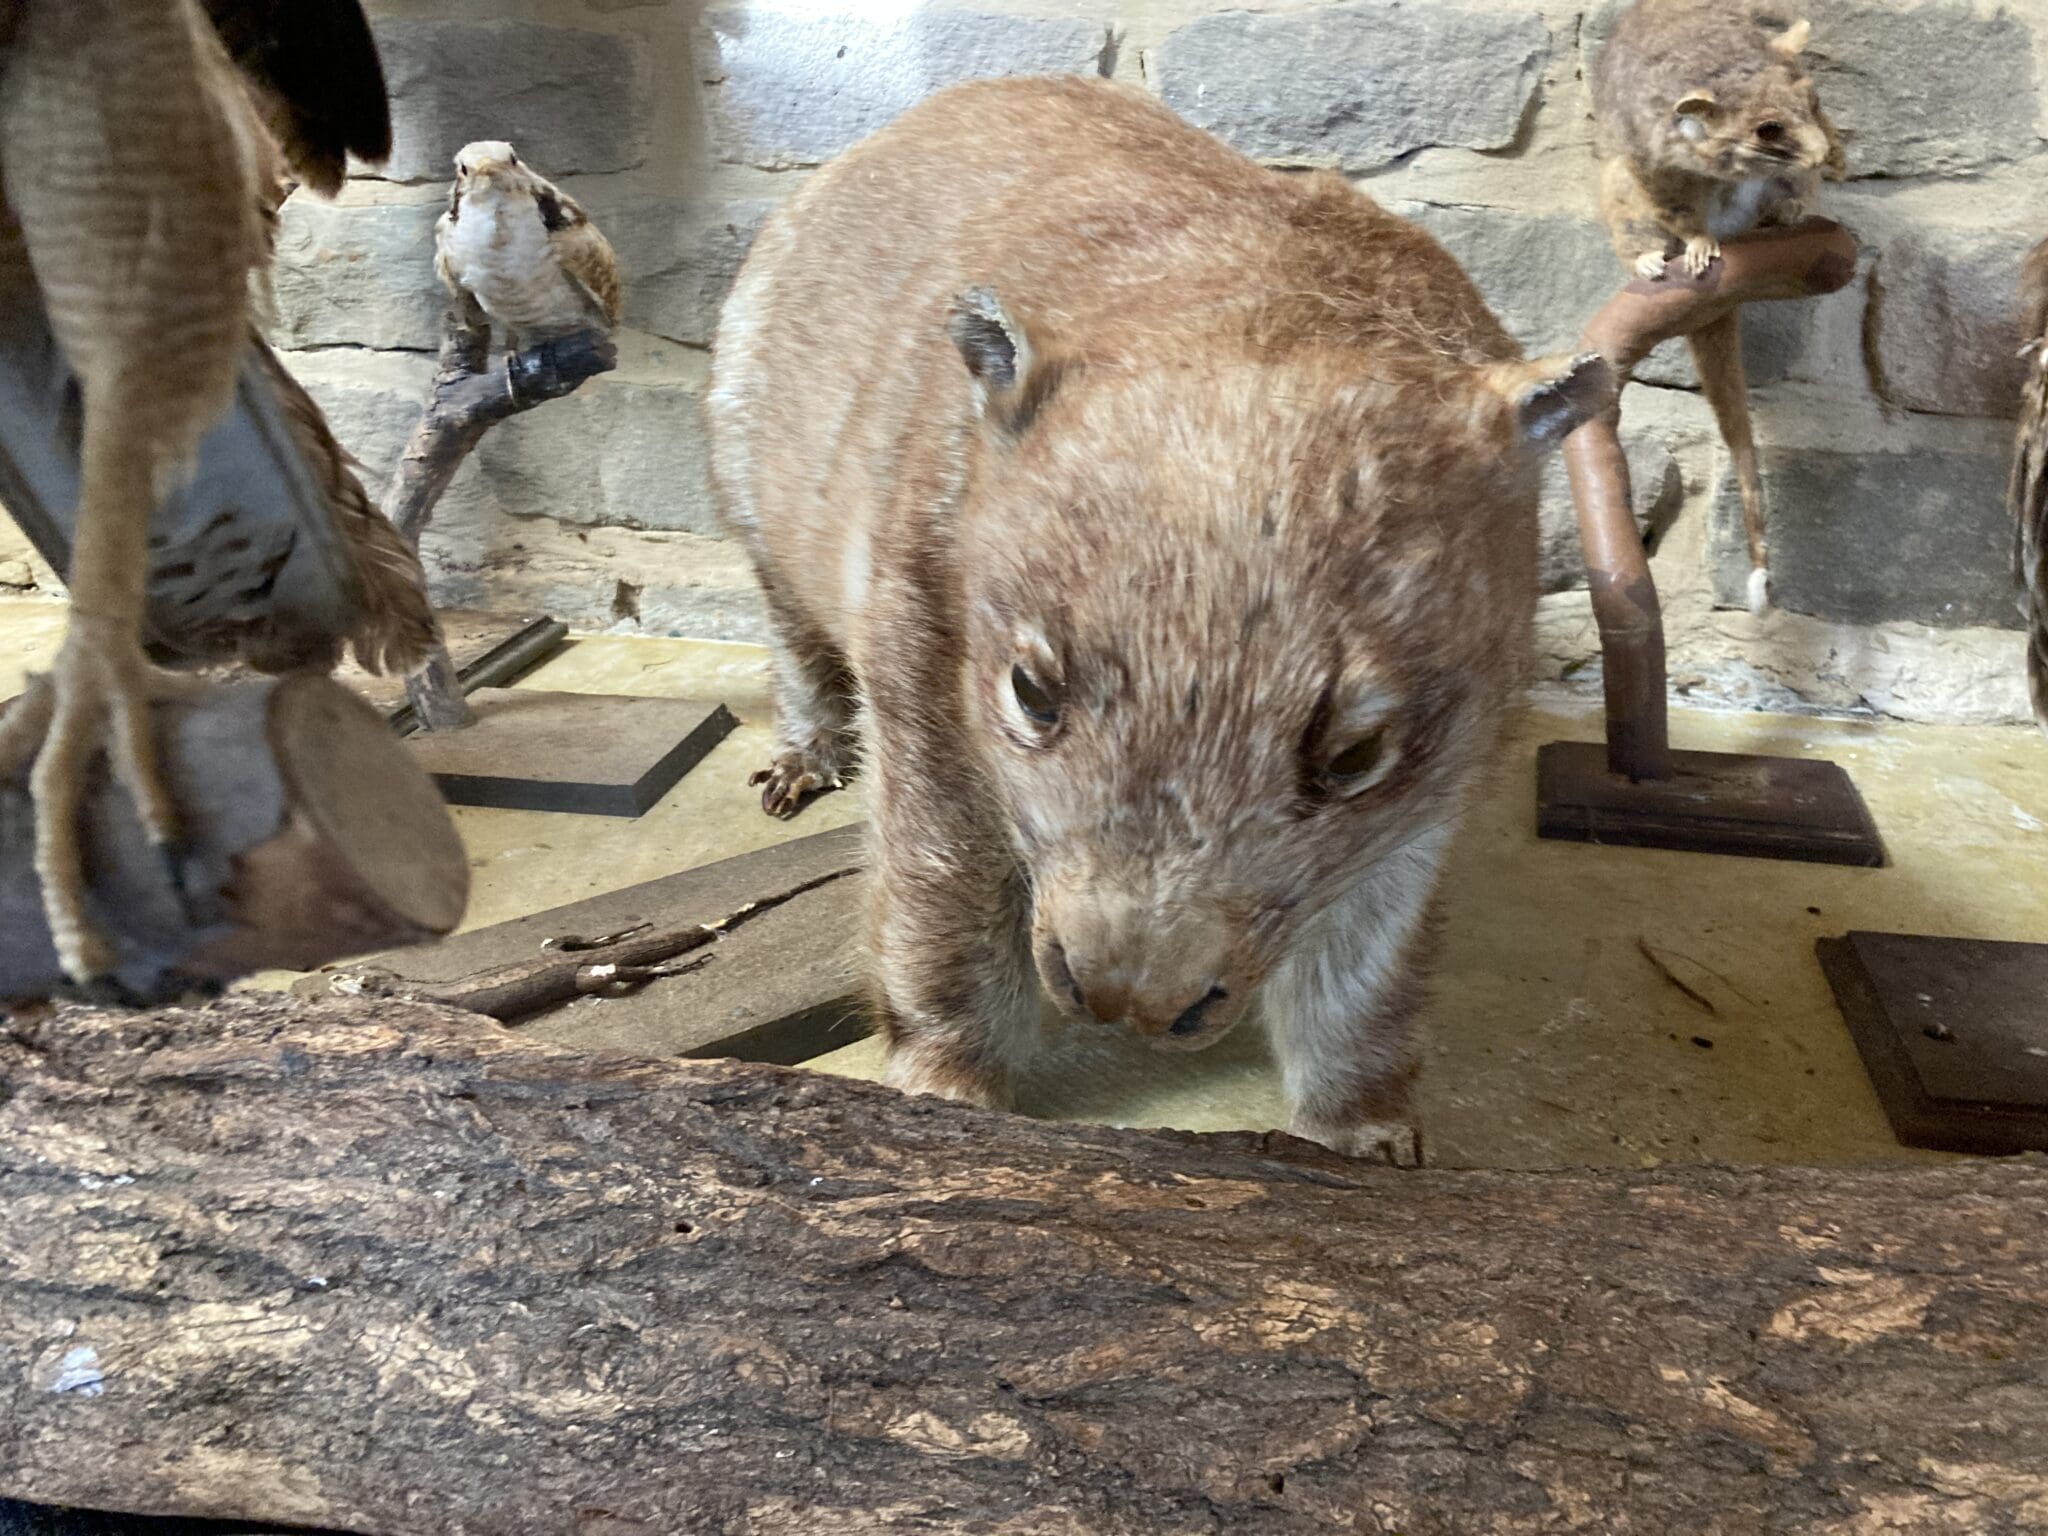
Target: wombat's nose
[1108,1002]
[1113,1003]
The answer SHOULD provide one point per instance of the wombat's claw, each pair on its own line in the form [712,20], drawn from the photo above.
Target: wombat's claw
[1388,1142]
[97,698]
[1393,1142]
[1701,252]
[789,781]
[1650,265]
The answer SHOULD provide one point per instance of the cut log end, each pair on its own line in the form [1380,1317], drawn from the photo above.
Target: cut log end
[312,836]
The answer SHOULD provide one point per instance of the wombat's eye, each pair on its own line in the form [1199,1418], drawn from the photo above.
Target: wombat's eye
[1360,758]
[1037,701]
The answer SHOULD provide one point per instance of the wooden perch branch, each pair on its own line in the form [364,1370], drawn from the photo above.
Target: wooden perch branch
[469,397]
[387,1268]
[1815,258]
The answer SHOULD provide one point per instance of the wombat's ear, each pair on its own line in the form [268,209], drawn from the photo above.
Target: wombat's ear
[1011,379]
[1792,41]
[1701,104]
[1553,396]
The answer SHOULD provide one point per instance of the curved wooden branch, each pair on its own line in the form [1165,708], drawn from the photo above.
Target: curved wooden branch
[469,397]
[390,1269]
[1815,258]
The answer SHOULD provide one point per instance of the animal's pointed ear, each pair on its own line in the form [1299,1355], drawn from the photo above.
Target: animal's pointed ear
[1791,42]
[1553,396]
[1701,103]
[1011,375]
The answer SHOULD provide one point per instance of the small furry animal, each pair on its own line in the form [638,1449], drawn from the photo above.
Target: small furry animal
[1708,127]
[2029,488]
[523,249]
[1174,523]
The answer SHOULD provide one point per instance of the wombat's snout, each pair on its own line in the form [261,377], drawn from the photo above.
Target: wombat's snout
[1172,981]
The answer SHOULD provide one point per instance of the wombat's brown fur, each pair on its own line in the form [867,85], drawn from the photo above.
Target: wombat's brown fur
[1708,127]
[1173,521]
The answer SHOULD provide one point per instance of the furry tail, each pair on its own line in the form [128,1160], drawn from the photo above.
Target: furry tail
[1717,354]
[2028,493]
[396,628]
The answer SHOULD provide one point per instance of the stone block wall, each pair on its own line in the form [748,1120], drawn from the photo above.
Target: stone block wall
[1883,411]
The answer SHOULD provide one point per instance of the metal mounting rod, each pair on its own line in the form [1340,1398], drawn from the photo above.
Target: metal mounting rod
[1813,258]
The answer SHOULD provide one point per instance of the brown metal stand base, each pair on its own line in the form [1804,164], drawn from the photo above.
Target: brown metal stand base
[489,650]
[1954,1035]
[597,754]
[1713,802]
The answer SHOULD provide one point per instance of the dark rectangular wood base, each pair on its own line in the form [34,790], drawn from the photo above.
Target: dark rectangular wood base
[1954,1035]
[782,986]
[592,753]
[1714,802]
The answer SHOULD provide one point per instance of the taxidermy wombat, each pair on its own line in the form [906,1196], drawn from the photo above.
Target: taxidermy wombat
[1172,522]
[1708,128]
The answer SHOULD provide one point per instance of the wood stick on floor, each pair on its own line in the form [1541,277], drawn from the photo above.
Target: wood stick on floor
[469,397]
[387,1268]
[601,966]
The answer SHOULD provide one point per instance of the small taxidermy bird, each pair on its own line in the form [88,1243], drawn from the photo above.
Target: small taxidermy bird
[2029,489]
[1708,127]
[523,250]
[140,145]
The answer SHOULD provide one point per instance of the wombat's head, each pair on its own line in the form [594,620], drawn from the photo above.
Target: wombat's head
[1757,121]
[1237,636]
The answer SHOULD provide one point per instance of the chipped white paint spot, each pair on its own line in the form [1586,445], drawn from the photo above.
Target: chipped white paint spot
[79,1371]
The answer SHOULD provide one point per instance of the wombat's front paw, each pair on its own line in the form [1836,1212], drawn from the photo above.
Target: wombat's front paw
[793,777]
[1378,1141]
[1701,252]
[929,1067]
[1650,265]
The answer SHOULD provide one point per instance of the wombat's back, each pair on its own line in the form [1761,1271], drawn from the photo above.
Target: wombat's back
[1107,221]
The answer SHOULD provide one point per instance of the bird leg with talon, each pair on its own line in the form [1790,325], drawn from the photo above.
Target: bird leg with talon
[96,699]
[140,226]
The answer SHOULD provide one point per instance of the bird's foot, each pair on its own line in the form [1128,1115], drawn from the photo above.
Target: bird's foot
[1701,252]
[96,699]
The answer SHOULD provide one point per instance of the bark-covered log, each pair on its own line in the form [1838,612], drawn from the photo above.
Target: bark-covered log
[389,1268]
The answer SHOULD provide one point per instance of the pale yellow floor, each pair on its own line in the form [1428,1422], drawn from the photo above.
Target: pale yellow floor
[1552,1038]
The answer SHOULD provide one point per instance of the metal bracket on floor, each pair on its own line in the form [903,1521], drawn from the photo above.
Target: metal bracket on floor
[1634,789]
